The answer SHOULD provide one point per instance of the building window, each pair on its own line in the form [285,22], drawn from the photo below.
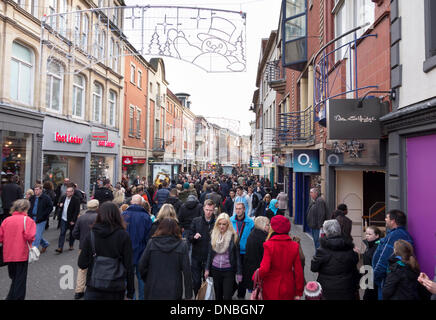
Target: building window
[97,36]
[151,87]
[139,79]
[77,21]
[85,31]
[138,123]
[101,44]
[115,16]
[340,28]
[22,73]
[132,73]
[131,123]
[78,96]
[34,8]
[116,57]
[430,35]
[52,9]
[112,100]
[54,86]
[63,18]
[97,93]
[363,13]
[100,3]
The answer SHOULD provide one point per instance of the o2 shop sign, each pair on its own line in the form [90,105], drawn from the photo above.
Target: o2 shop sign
[67,138]
[306,161]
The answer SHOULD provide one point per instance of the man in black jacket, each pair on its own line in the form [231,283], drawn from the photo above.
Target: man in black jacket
[174,200]
[40,208]
[104,193]
[68,211]
[216,198]
[199,237]
[317,213]
[10,192]
[188,211]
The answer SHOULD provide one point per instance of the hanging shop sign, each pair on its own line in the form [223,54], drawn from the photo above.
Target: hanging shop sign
[255,164]
[67,138]
[355,118]
[306,161]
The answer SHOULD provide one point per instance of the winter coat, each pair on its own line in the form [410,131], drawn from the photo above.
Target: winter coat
[244,200]
[203,196]
[14,238]
[51,194]
[161,196]
[138,227]
[188,211]
[161,266]
[336,263]
[384,252]
[175,202]
[10,193]
[317,213]
[280,269]
[248,226]
[183,195]
[103,195]
[83,226]
[225,189]
[234,257]
[370,294]
[216,198]
[228,206]
[45,207]
[345,223]
[283,200]
[401,282]
[260,210]
[113,243]
[253,255]
[200,246]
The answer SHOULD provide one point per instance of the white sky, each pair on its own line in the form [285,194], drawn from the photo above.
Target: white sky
[225,95]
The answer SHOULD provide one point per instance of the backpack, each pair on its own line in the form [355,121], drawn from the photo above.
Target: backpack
[108,274]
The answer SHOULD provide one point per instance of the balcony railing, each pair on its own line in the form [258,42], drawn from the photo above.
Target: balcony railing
[275,76]
[296,127]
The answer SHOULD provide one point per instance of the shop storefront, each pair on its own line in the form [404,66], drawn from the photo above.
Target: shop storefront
[21,139]
[66,151]
[133,167]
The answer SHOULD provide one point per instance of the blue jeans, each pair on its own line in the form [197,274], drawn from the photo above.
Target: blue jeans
[140,284]
[315,236]
[40,228]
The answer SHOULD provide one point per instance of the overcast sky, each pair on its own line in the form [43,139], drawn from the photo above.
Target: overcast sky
[226,95]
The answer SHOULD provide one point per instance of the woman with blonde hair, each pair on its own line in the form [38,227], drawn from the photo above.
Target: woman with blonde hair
[29,193]
[119,195]
[223,260]
[166,211]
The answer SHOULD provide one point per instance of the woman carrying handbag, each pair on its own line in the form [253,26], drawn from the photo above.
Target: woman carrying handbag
[16,232]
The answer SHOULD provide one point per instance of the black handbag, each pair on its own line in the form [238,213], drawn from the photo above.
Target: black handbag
[108,274]
[2,263]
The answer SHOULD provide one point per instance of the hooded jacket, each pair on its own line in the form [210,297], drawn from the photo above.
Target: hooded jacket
[188,211]
[161,266]
[336,263]
[113,243]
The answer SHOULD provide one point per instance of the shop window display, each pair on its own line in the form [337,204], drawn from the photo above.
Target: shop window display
[102,168]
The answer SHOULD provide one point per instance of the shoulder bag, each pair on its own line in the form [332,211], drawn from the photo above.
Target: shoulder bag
[257,287]
[108,274]
[33,251]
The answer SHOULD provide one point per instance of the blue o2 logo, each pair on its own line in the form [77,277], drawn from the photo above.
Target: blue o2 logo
[304,160]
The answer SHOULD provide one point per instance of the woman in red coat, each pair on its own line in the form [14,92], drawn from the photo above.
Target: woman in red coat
[281,269]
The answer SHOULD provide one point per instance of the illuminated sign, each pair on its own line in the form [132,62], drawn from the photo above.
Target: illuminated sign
[107,144]
[67,138]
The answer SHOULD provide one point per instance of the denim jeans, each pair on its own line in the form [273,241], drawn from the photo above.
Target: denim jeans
[140,284]
[40,228]
[64,227]
[315,236]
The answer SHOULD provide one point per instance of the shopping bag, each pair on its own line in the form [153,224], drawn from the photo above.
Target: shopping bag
[202,291]
[210,292]
[33,251]
[256,294]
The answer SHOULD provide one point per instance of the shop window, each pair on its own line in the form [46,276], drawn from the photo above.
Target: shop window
[102,167]
[85,31]
[54,86]
[78,96]
[96,102]
[430,35]
[112,101]
[22,73]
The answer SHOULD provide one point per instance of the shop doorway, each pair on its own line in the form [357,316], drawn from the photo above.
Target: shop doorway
[374,208]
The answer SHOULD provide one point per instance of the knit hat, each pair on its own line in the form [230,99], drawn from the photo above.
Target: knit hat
[186,185]
[313,291]
[280,224]
[92,204]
